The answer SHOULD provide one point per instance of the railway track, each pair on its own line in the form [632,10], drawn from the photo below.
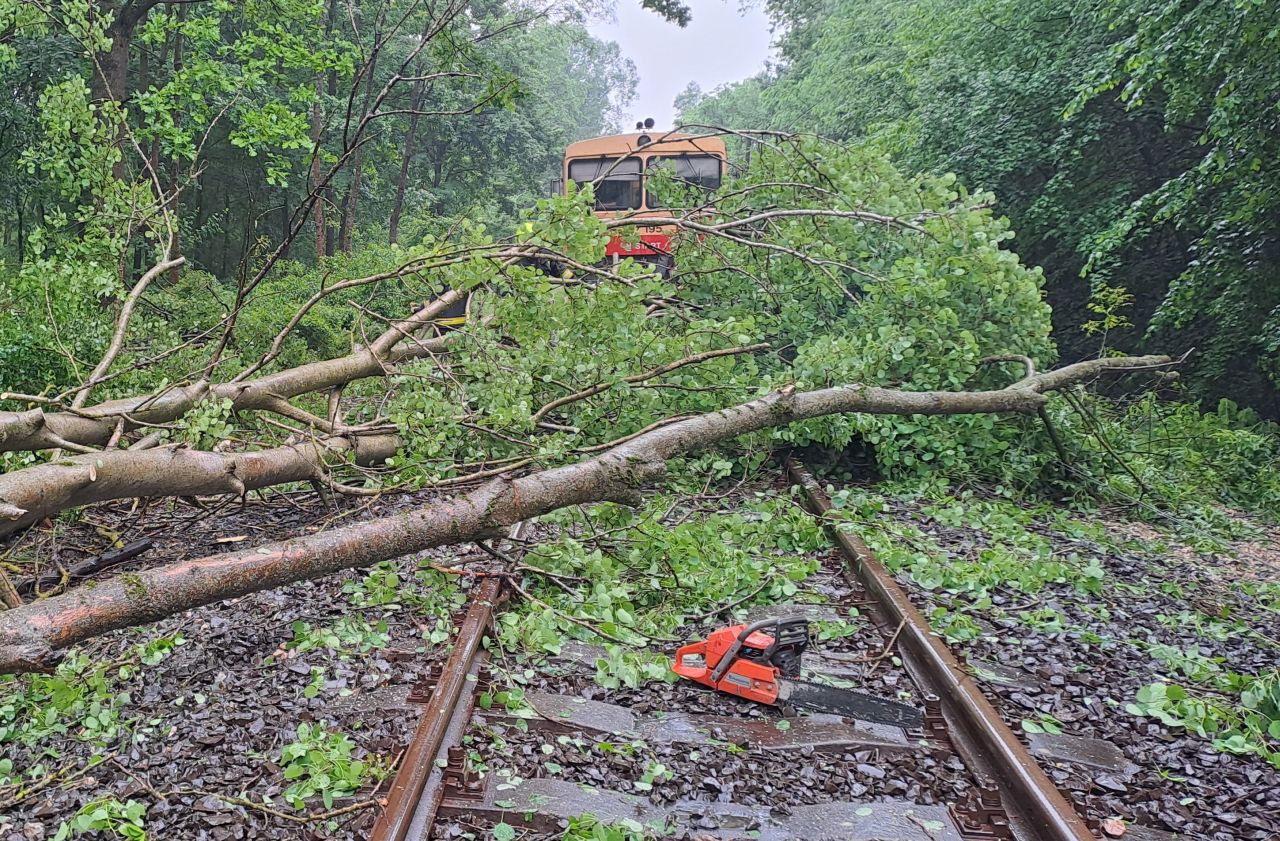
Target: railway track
[687,762]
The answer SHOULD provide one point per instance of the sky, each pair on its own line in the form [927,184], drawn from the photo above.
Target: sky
[721,44]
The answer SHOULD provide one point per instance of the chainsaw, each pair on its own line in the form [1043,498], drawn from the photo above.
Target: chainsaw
[745,661]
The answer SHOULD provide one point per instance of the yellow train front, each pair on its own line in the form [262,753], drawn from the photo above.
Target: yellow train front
[621,166]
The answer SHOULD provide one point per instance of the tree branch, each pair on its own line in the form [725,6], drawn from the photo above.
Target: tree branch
[32,637]
[647,375]
[31,494]
[122,326]
[37,429]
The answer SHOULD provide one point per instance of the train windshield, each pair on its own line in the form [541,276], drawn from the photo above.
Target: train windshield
[700,172]
[619,188]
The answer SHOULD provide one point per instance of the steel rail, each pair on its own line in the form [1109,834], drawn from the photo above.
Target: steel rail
[1036,807]
[428,738]
[416,791]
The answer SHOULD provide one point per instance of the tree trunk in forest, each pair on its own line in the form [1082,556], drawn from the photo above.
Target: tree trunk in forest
[109,78]
[402,182]
[226,230]
[357,160]
[175,164]
[328,193]
[109,81]
[32,637]
[22,242]
[317,132]
[285,219]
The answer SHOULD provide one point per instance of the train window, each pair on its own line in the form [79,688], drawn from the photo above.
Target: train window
[620,187]
[702,172]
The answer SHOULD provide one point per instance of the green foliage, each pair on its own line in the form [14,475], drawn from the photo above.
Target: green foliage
[348,634]
[823,631]
[78,699]
[1109,304]
[1010,556]
[1043,723]
[119,820]
[322,763]
[221,100]
[1240,713]
[650,579]
[1199,64]
[1190,462]
[590,828]
[206,424]
[653,772]
[919,303]
[899,306]
[380,587]
[81,698]
[1133,141]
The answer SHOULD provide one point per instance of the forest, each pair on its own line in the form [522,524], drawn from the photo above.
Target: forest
[1003,274]
[1132,145]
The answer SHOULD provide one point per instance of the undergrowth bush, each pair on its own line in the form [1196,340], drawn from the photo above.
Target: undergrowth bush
[1170,462]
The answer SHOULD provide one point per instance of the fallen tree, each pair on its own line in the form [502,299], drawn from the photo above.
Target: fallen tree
[33,637]
[81,430]
[30,495]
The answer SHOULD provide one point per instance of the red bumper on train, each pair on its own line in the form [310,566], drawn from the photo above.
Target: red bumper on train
[648,246]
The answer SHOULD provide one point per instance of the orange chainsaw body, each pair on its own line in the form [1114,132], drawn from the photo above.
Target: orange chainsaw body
[761,662]
[756,681]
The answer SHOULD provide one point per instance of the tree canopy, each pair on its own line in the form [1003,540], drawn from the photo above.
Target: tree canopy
[1132,144]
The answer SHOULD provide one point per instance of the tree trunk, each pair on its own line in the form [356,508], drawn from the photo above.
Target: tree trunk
[403,181]
[329,193]
[226,230]
[109,81]
[175,164]
[30,495]
[285,219]
[109,78]
[317,131]
[32,637]
[22,239]
[357,160]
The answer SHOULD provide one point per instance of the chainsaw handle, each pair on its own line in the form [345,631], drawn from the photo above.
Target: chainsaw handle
[732,654]
[696,649]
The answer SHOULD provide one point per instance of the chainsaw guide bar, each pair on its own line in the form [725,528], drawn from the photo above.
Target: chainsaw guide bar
[745,661]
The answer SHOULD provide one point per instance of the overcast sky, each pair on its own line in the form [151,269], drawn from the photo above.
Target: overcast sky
[721,44]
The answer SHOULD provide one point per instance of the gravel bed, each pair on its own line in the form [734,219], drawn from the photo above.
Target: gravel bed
[717,773]
[1084,675]
[211,717]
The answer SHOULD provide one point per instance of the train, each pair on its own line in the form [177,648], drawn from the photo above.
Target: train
[620,166]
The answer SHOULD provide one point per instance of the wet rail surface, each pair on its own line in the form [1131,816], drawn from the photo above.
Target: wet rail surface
[727,768]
